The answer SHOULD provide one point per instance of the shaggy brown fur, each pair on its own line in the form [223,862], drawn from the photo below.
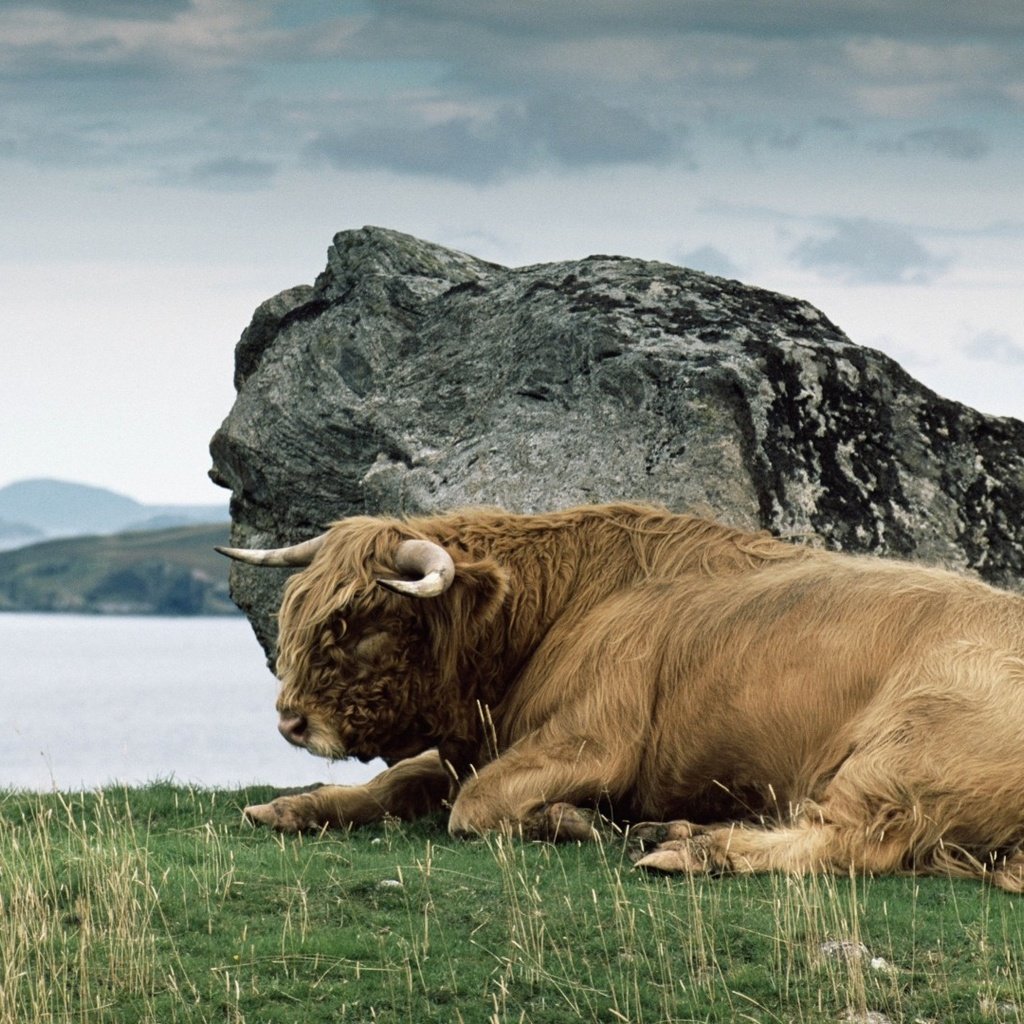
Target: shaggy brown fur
[801,710]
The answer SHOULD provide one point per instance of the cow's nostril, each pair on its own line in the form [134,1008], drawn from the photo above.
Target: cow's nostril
[293,728]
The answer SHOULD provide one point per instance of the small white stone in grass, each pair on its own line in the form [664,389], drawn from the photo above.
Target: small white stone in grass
[389,883]
[880,964]
[869,1017]
[844,949]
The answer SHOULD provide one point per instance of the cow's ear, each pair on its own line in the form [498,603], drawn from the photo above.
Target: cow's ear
[480,588]
[461,620]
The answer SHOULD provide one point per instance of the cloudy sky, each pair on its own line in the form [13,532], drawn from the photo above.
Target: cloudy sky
[168,164]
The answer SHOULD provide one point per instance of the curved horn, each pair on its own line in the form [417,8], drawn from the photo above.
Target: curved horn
[429,562]
[295,554]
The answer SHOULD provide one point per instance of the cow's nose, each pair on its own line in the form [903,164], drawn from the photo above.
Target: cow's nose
[293,727]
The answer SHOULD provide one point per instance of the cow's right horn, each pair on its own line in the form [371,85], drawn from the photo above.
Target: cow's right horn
[426,560]
[294,555]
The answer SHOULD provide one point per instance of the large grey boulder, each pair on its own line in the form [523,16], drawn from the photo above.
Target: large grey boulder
[412,378]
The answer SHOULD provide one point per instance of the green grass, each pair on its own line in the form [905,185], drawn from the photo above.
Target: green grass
[161,905]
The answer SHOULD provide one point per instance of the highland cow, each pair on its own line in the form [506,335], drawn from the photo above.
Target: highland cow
[738,702]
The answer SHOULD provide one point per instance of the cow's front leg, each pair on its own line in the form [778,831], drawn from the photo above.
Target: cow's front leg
[411,788]
[552,822]
[564,822]
[537,788]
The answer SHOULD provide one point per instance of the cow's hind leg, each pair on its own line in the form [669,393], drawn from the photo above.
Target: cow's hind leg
[913,841]
[809,845]
[813,847]
[935,786]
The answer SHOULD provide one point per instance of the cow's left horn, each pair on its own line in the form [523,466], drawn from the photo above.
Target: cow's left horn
[429,562]
[294,555]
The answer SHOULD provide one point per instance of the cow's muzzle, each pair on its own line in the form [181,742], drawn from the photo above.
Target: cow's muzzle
[294,728]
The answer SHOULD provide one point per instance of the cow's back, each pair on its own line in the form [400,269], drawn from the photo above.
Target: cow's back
[749,690]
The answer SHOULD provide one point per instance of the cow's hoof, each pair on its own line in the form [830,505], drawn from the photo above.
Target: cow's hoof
[285,814]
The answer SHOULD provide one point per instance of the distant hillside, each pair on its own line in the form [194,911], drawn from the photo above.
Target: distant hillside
[57,508]
[155,572]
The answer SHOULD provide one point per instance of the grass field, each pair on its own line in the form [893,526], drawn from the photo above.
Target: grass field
[160,904]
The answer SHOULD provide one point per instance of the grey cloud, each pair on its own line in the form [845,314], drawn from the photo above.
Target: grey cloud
[59,146]
[582,131]
[866,251]
[136,10]
[995,347]
[787,64]
[837,125]
[458,149]
[789,18]
[955,143]
[572,131]
[711,260]
[763,134]
[535,84]
[991,229]
[1002,229]
[82,74]
[231,172]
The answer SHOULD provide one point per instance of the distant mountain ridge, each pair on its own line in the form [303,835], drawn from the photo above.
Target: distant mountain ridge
[42,509]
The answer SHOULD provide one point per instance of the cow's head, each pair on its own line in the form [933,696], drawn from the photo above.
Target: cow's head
[372,639]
